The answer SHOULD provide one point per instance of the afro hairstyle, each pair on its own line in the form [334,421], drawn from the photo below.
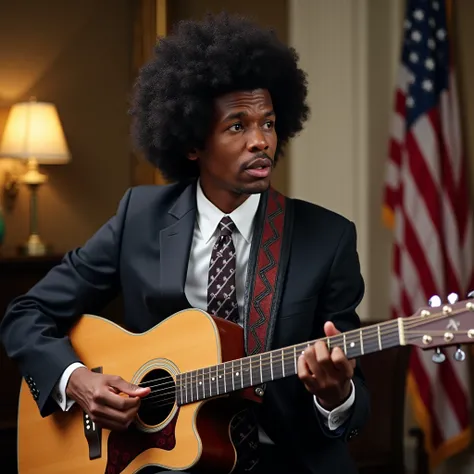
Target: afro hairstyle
[173,102]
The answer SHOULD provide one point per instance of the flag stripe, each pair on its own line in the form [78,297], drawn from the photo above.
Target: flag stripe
[426,194]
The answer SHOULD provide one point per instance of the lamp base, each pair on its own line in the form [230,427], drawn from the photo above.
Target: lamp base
[34,247]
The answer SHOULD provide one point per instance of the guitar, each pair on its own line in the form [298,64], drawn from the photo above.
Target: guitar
[196,382]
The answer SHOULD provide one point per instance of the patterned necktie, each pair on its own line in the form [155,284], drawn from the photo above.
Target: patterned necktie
[222,302]
[221,296]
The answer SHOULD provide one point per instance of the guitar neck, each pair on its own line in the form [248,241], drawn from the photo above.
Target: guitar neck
[254,370]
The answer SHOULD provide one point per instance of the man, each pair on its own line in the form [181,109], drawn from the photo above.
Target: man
[212,110]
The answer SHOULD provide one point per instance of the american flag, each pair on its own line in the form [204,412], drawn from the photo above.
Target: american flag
[426,203]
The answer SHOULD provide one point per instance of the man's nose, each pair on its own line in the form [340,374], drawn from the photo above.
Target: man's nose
[257,141]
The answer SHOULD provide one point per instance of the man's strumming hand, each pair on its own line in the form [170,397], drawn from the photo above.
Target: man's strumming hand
[110,401]
[327,375]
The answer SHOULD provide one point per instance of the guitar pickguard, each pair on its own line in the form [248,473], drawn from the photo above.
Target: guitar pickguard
[124,446]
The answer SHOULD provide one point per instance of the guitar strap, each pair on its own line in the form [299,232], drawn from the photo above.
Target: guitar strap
[267,267]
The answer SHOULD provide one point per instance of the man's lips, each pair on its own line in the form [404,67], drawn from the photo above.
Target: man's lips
[260,163]
[259,168]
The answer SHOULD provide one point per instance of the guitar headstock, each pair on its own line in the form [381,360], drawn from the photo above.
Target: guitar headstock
[441,325]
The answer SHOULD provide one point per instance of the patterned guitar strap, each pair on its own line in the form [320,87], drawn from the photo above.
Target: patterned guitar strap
[265,277]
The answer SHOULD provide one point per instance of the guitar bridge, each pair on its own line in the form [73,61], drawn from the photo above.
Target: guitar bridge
[92,432]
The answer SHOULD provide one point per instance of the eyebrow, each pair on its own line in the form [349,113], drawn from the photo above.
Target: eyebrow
[239,115]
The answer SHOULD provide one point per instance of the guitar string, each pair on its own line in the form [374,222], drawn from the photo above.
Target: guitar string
[159,401]
[174,388]
[279,358]
[348,334]
[368,338]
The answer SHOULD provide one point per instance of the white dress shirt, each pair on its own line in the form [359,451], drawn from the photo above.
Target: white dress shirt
[205,234]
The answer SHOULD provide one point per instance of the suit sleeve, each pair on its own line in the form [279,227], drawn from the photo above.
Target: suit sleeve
[34,329]
[343,291]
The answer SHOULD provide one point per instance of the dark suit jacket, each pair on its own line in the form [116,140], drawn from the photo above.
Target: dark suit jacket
[142,252]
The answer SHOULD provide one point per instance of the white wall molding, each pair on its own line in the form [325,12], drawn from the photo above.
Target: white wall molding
[329,159]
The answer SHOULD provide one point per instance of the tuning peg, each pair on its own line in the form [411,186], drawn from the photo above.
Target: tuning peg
[470,294]
[435,301]
[459,355]
[453,298]
[438,356]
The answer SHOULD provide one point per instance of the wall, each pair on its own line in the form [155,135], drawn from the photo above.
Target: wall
[349,97]
[464,39]
[77,55]
[269,13]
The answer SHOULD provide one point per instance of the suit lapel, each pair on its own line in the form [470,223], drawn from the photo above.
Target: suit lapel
[175,245]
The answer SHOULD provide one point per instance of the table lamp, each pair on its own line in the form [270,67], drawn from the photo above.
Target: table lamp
[33,133]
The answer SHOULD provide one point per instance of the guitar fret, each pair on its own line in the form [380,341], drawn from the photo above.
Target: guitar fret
[214,379]
[238,374]
[271,365]
[361,343]
[379,337]
[178,387]
[201,382]
[232,372]
[255,370]
[352,351]
[283,362]
[288,361]
[261,375]
[220,377]
[328,343]
[204,383]
[344,342]
[247,372]
[296,360]
[209,381]
[224,376]
[185,389]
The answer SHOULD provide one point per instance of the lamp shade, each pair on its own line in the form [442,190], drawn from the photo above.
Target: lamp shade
[33,130]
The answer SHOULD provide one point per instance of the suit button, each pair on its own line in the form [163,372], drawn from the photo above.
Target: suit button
[353,433]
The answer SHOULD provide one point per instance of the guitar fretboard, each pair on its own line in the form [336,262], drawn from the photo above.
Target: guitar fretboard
[257,369]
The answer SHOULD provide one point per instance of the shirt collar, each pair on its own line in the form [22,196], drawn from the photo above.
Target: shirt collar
[209,216]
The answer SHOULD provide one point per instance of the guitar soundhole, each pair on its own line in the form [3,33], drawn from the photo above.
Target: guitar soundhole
[157,406]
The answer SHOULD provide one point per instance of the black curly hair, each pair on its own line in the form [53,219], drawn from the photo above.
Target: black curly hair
[172,107]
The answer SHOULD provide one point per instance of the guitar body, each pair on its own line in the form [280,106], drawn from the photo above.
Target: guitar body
[188,437]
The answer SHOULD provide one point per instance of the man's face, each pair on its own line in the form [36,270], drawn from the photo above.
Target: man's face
[239,152]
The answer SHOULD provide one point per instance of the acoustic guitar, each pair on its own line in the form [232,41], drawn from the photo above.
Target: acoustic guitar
[196,380]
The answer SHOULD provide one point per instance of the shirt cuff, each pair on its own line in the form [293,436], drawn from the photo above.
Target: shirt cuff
[59,391]
[337,417]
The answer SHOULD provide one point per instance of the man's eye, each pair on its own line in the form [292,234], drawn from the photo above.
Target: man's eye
[236,127]
[270,124]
